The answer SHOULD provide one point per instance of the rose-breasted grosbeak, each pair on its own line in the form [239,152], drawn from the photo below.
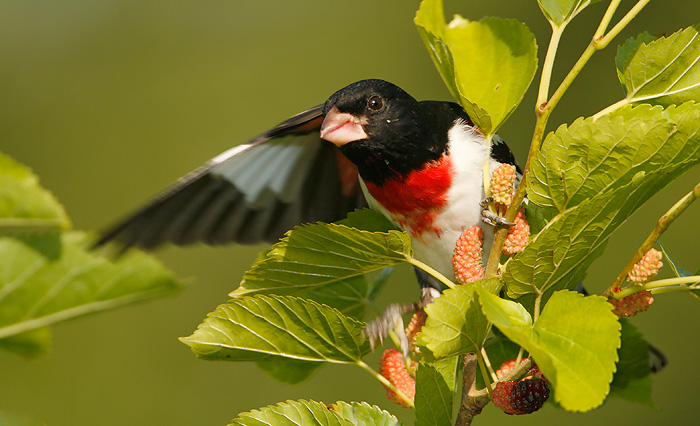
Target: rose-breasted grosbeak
[419,163]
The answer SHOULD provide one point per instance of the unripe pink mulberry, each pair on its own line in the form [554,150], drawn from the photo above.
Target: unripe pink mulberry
[414,327]
[647,268]
[466,259]
[518,235]
[501,184]
[393,368]
[633,304]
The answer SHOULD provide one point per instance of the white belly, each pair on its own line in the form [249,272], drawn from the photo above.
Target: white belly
[468,150]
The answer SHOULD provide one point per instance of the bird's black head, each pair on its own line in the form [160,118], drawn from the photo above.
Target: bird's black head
[368,98]
[380,128]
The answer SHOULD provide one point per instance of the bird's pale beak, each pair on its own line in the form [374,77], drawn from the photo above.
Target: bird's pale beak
[341,128]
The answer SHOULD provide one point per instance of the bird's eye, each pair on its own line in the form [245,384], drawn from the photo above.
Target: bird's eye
[375,103]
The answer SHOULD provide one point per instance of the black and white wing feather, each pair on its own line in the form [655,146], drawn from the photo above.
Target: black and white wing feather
[251,193]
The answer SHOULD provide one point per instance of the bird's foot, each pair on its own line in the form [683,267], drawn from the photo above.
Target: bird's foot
[492,218]
[391,321]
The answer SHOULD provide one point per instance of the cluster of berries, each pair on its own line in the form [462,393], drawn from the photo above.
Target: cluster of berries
[468,266]
[524,396]
[467,257]
[641,273]
[502,189]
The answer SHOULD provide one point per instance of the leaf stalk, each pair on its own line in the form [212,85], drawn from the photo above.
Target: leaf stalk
[546,77]
[443,279]
[602,42]
[667,285]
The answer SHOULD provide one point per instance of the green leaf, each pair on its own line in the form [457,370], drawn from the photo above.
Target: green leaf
[510,317]
[538,216]
[435,387]
[487,65]
[455,324]
[637,390]
[368,220]
[625,53]
[36,290]
[664,71]
[26,207]
[495,61]
[557,258]
[326,263]
[633,367]
[363,414]
[292,413]
[430,21]
[595,155]
[561,12]
[597,187]
[288,370]
[266,328]
[574,342]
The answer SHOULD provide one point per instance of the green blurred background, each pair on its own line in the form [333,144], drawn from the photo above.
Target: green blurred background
[109,101]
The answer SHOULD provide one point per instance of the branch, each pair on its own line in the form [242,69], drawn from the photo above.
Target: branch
[661,225]
[473,401]
[544,110]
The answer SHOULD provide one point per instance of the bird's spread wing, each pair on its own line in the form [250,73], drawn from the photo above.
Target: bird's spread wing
[251,193]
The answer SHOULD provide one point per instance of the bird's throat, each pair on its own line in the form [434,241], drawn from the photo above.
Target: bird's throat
[414,201]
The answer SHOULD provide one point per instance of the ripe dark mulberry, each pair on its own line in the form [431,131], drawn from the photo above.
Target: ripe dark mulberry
[529,395]
[523,397]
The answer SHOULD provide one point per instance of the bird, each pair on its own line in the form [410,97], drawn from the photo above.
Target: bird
[419,163]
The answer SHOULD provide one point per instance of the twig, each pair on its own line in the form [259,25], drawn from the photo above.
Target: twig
[661,225]
[660,286]
[487,361]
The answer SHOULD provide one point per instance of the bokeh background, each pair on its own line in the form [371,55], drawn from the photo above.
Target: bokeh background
[110,100]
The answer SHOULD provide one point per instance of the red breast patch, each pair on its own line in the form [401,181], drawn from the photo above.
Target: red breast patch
[415,200]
